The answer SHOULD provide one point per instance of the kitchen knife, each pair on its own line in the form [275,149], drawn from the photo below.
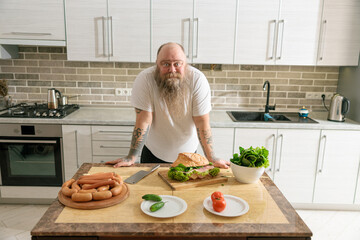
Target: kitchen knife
[140,175]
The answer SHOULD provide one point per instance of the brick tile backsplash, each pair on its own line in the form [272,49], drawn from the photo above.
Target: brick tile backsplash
[232,86]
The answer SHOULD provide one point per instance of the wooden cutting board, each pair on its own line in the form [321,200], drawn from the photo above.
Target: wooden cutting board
[95,204]
[176,185]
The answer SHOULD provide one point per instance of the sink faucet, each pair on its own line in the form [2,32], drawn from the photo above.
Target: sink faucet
[267,107]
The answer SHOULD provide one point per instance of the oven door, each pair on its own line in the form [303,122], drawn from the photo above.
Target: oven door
[30,161]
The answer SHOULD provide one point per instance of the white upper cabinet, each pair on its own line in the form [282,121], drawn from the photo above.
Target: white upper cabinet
[205,28]
[339,43]
[130,30]
[213,34]
[103,30]
[277,32]
[86,26]
[32,22]
[172,22]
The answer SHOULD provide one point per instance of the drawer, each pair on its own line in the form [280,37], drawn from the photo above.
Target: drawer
[112,132]
[103,159]
[118,148]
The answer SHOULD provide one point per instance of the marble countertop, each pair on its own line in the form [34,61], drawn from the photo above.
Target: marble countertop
[270,215]
[218,118]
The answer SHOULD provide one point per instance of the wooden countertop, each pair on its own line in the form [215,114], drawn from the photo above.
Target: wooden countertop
[270,214]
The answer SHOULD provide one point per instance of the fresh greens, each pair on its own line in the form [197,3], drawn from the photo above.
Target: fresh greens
[182,173]
[251,157]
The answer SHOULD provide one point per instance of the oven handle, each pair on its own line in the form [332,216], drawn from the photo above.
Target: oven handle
[25,141]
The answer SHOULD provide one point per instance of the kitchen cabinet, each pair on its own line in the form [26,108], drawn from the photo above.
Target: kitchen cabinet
[205,28]
[32,22]
[222,143]
[277,32]
[338,167]
[76,147]
[108,30]
[111,142]
[339,42]
[292,154]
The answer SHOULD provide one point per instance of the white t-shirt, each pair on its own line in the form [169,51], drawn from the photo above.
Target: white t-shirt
[169,136]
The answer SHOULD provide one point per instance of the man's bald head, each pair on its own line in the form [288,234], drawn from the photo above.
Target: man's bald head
[171,52]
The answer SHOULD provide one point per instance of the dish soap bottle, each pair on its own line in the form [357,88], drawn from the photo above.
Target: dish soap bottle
[303,112]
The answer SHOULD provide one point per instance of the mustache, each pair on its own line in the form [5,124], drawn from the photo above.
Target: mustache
[172,75]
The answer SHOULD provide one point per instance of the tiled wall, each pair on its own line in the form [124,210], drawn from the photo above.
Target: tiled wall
[233,86]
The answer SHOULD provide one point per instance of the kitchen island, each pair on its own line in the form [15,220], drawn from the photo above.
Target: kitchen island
[270,215]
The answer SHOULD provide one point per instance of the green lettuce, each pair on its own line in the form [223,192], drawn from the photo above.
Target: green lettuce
[251,157]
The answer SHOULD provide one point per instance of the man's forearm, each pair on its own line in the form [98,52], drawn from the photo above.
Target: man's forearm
[138,141]
[206,142]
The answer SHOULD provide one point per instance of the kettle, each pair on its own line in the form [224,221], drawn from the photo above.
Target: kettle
[339,106]
[52,100]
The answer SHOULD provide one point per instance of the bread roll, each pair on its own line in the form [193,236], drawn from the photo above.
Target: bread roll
[190,160]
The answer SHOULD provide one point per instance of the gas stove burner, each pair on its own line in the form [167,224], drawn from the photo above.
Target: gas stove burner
[24,110]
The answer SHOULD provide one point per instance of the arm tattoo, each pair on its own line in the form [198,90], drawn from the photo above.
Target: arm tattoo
[206,134]
[138,141]
[138,110]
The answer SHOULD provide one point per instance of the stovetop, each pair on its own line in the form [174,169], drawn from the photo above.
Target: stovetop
[25,110]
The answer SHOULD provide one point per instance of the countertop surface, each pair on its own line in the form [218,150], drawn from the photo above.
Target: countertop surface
[218,118]
[270,214]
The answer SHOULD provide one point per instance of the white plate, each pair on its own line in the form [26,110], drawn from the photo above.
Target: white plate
[235,206]
[174,206]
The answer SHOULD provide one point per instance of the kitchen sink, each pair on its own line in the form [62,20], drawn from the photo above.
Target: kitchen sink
[279,117]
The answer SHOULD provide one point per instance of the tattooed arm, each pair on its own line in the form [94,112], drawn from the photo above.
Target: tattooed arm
[203,129]
[141,129]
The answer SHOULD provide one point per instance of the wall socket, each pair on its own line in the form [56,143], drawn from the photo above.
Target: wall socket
[123,91]
[317,95]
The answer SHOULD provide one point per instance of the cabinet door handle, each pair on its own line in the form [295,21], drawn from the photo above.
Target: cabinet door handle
[197,36]
[104,32]
[273,153]
[274,35]
[183,25]
[31,33]
[112,37]
[323,155]
[76,148]
[280,155]
[282,37]
[322,40]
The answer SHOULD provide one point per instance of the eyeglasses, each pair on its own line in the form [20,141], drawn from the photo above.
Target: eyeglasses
[167,64]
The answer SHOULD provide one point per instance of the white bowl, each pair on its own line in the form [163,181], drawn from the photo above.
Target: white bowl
[246,174]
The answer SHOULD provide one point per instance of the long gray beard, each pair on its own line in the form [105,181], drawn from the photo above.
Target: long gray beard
[174,91]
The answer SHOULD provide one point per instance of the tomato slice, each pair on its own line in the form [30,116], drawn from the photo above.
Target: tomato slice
[217,195]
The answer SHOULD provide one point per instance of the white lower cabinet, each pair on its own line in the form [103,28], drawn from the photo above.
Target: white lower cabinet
[76,148]
[222,143]
[338,167]
[110,142]
[292,155]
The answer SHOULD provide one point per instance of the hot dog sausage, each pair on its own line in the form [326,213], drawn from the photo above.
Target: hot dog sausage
[81,197]
[116,190]
[75,185]
[89,181]
[87,191]
[101,195]
[103,188]
[68,192]
[98,184]
[98,176]
[68,183]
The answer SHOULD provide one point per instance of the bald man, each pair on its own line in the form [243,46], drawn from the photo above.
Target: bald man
[172,102]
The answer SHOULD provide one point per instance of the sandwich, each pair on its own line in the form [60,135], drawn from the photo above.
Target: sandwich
[191,166]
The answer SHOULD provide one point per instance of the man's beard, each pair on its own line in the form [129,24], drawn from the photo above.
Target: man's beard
[173,89]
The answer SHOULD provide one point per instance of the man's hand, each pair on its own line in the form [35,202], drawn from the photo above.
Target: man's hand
[121,162]
[221,163]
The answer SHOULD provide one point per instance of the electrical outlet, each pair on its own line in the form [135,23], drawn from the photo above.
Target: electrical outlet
[123,91]
[317,95]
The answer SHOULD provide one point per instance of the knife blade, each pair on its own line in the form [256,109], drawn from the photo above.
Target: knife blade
[140,175]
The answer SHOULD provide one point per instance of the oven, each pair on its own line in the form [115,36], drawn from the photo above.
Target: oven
[31,155]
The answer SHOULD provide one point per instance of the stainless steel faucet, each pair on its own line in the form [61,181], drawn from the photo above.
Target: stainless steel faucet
[267,107]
